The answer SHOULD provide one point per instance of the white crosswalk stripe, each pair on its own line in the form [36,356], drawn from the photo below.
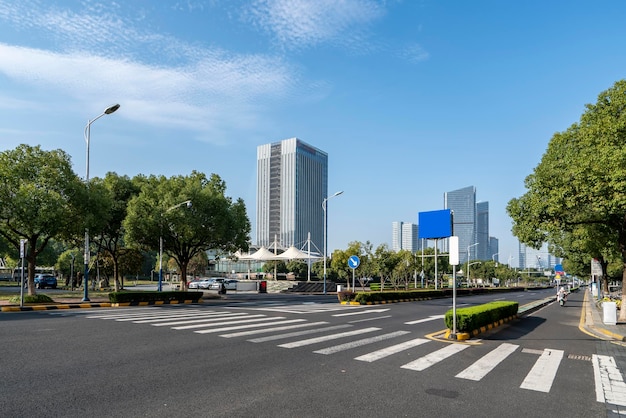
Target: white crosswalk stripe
[435,357]
[359,343]
[297,333]
[487,363]
[316,340]
[269,321]
[273,329]
[388,351]
[610,386]
[542,374]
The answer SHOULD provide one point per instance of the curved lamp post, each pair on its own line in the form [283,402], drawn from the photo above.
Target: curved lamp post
[160,287]
[87,135]
[324,203]
[469,256]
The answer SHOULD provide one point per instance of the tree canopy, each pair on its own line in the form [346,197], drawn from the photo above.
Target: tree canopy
[42,199]
[210,221]
[576,196]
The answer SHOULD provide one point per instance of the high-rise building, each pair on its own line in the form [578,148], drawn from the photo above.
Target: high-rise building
[292,182]
[483,252]
[404,236]
[396,236]
[494,249]
[463,204]
[541,259]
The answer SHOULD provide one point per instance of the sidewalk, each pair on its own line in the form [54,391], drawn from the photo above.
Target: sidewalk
[593,322]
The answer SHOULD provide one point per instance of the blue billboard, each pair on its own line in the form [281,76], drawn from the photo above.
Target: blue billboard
[435,224]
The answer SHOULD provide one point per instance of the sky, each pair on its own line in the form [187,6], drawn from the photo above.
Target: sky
[409,98]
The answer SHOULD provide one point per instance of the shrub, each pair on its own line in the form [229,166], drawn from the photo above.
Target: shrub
[136,297]
[474,317]
[32,299]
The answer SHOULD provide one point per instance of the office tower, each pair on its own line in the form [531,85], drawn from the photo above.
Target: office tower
[409,237]
[494,251]
[482,250]
[292,182]
[404,236]
[463,204]
[540,259]
[396,236]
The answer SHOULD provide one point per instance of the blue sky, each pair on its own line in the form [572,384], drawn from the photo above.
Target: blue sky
[409,98]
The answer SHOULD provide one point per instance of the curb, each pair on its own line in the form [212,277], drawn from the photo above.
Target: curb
[92,305]
[589,323]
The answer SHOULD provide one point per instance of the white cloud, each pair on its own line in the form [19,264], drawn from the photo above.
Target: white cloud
[217,87]
[304,23]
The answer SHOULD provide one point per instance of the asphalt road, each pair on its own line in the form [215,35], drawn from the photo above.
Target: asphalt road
[294,356]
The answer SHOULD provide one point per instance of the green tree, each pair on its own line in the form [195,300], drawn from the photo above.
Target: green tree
[212,220]
[42,199]
[579,186]
[110,239]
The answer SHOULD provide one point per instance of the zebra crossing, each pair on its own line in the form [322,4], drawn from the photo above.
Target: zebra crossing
[298,333]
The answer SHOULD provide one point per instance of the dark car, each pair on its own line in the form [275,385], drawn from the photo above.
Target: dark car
[45,280]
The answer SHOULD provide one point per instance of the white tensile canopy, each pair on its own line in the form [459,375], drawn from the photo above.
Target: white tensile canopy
[293,253]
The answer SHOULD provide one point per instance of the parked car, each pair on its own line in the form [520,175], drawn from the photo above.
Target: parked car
[230,284]
[201,284]
[45,280]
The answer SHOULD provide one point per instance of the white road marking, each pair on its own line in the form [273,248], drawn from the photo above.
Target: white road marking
[430,318]
[610,386]
[542,374]
[245,326]
[316,340]
[488,362]
[274,329]
[183,317]
[435,357]
[363,312]
[385,352]
[210,323]
[297,333]
[359,343]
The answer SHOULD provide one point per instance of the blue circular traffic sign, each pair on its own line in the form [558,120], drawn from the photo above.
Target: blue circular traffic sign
[354,261]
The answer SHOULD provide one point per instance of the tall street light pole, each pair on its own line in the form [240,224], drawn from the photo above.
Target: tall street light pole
[468,261]
[160,286]
[87,135]
[324,203]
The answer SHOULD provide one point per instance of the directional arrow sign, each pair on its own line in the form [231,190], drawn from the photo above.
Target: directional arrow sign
[354,261]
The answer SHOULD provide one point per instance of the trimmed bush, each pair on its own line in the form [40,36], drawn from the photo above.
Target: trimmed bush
[419,294]
[32,299]
[136,297]
[474,317]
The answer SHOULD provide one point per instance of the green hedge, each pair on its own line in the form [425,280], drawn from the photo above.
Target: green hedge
[474,317]
[399,295]
[132,297]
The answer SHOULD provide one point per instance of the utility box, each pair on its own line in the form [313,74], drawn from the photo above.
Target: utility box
[609,310]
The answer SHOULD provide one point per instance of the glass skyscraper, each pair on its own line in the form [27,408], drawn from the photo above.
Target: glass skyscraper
[463,204]
[292,182]
[482,250]
[404,236]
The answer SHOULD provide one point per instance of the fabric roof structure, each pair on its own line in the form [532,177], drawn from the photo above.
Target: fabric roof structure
[293,253]
[262,254]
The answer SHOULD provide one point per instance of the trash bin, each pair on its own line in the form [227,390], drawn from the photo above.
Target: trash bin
[609,310]
[263,286]
[339,288]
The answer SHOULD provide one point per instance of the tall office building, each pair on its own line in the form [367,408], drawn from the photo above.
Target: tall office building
[292,182]
[483,252]
[530,258]
[463,204]
[404,236]
[494,249]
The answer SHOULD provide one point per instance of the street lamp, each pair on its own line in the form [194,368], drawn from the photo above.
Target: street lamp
[468,260]
[493,258]
[160,286]
[87,135]
[468,267]
[324,203]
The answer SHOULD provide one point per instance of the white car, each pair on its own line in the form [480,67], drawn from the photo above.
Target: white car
[204,283]
[230,284]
